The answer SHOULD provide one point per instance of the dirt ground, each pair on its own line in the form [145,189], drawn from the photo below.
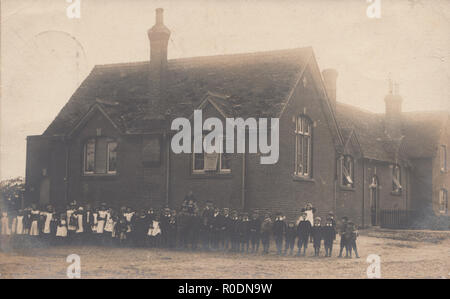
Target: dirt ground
[422,255]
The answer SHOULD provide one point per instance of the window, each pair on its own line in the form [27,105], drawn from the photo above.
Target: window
[443,201]
[112,157]
[89,156]
[211,162]
[443,158]
[303,145]
[396,179]
[100,156]
[347,171]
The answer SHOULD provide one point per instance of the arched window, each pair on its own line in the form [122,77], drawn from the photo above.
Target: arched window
[347,171]
[396,179]
[443,201]
[100,156]
[303,146]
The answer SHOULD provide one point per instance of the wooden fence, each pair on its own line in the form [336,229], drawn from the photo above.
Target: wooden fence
[396,218]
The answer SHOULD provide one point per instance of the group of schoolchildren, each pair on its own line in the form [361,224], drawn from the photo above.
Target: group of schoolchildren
[213,229]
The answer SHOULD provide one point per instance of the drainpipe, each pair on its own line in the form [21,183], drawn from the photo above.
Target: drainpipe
[363,191]
[67,171]
[167,140]
[243,181]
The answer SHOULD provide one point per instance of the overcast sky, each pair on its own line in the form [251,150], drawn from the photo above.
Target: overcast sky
[40,67]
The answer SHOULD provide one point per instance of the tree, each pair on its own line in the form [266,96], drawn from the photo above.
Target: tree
[12,192]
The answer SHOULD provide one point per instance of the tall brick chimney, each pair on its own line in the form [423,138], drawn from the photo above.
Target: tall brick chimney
[329,79]
[393,116]
[159,39]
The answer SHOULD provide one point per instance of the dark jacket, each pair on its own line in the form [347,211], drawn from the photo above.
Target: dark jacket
[279,228]
[304,229]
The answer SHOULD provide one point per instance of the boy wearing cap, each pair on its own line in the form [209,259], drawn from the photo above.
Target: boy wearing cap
[316,235]
[352,235]
[343,233]
[303,232]
[266,229]
[255,228]
[291,234]
[279,229]
[329,235]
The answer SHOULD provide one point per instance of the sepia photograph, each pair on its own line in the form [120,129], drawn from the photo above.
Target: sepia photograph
[224,144]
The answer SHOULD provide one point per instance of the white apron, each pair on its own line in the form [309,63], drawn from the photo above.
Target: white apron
[48,219]
[155,230]
[6,231]
[34,229]
[19,225]
[61,230]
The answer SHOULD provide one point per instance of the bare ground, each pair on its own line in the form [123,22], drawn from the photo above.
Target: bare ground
[418,257]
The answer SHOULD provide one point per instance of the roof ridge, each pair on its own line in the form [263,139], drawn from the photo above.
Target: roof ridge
[209,57]
[359,108]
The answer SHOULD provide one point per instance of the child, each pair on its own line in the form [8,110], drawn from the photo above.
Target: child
[226,229]
[291,234]
[154,232]
[352,235]
[129,216]
[71,222]
[244,233]
[217,224]
[122,228]
[255,229]
[234,231]
[61,229]
[101,218]
[5,231]
[165,218]
[79,216]
[329,235]
[279,229]
[303,232]
[140,229]
[88,224]
[266,228]
[34,220]
[316,235]
[172,231]
[48,225]
[19,229]
[342,233]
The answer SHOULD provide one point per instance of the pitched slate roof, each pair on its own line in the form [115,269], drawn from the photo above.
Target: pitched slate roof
[420,130]
[253,85]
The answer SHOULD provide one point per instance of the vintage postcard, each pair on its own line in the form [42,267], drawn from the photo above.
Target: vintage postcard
[215,139]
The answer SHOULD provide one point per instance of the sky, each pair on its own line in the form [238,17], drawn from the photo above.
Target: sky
[45,55]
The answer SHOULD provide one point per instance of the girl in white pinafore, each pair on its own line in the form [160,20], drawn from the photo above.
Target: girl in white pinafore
[34,228]
[19,228]
[101,220]
[6,230]
[61,229]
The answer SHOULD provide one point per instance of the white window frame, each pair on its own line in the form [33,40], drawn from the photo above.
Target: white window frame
[443,157]
[397,178]
[303,133]
[109,143]
[443,201]
[85,156]
[347,173]
[219,168]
